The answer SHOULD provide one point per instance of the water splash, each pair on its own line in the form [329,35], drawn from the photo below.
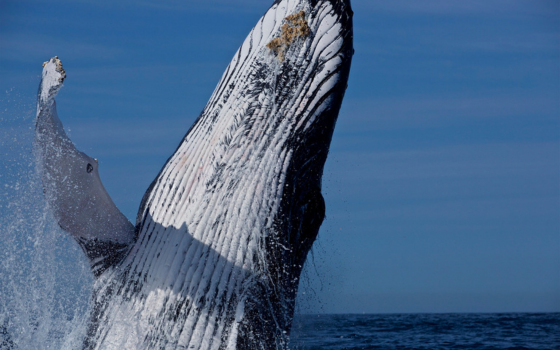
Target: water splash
[45,282]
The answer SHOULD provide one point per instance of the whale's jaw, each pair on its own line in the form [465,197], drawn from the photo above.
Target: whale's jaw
[224,230]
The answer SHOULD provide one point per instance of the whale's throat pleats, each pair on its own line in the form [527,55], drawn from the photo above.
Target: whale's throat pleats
[224,230]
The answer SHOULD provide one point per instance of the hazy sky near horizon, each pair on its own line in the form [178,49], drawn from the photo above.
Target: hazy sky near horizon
[443,182]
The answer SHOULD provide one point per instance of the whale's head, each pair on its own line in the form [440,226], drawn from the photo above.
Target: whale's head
[245,182]
[252,163]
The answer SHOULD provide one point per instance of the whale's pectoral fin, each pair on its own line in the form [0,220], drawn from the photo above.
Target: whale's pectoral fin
[72,186]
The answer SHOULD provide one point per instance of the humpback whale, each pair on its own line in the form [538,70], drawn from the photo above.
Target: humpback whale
[214,258]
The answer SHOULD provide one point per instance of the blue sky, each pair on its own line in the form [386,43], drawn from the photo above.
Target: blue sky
[443,182]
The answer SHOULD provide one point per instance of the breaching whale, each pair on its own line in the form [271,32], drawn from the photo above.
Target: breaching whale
[214,258]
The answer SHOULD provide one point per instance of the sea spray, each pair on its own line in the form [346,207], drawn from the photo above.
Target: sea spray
[45,281]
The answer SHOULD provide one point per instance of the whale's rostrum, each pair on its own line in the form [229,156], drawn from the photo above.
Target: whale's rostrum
[222,233]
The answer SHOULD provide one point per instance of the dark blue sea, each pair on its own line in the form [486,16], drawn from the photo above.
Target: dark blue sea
[512,331]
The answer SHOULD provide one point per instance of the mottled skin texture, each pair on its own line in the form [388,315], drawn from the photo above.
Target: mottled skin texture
[223,232]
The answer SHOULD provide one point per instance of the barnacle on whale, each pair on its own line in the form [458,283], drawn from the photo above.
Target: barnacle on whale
[295,27]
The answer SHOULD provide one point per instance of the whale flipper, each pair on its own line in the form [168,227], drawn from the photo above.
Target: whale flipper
[71,183]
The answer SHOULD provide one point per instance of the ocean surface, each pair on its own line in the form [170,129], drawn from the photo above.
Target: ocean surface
[512,331]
